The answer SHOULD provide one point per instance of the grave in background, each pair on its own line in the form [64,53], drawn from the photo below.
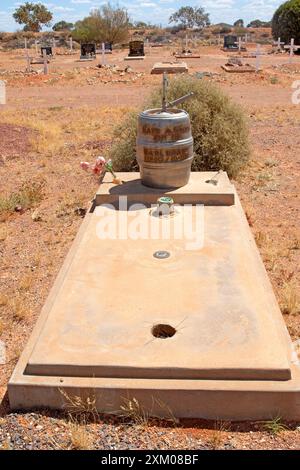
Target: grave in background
[48,50]
[136,51]
[169,67]
[88,51]
[236,65]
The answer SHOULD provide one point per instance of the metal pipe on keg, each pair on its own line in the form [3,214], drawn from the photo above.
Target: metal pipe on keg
[165,103]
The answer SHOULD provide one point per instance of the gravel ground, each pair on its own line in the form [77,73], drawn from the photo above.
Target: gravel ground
[34,431]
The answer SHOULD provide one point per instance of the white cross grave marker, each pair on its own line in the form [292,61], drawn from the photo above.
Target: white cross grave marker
[239,42]
[279,44]
[257,55]
[45,62]
[292,47]
[28,67]
[71,44]
[103,59]
[2,92]
[36,46]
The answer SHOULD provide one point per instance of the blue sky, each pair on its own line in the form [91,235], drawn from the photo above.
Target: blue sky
[155,11]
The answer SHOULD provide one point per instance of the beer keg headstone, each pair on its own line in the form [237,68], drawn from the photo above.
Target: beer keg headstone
[165,144]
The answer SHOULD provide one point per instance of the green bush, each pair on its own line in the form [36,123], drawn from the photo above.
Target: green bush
[218,126]
[286,22]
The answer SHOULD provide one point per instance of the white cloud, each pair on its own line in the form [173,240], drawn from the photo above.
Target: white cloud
[79,2]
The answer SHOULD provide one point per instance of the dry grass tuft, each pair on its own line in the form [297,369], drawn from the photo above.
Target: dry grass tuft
[289,298]
[3,300]
[217,437]
[26,282]
[80,408]
[30,194]
[261,239]
[18,309]
[131,410]
[80,437]
[3,232]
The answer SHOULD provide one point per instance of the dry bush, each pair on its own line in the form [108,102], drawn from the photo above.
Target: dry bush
[218,126]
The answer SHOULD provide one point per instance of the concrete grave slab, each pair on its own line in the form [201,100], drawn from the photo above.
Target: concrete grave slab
[230,356]
[169,67]
[209,188]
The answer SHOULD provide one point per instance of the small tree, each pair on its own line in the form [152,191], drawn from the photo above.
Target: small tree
[107,24]
[286,21]
[259,24]
[33,16]
[63,26]
[239,23]
[191,17]
[114,23]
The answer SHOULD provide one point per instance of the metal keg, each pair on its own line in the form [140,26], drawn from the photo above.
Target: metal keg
[165,144]
[164,147]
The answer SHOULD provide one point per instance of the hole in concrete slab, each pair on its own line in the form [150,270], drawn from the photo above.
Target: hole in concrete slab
[163,331]
[161,254]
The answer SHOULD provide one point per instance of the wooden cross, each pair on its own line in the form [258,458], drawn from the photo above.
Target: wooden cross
[25,40]
[71,44]
[292,47]
[36,46]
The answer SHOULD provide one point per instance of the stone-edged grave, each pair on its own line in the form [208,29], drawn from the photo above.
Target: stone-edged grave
[169,67]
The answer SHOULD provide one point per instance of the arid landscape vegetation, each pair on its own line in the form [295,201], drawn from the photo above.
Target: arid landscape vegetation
[49,124]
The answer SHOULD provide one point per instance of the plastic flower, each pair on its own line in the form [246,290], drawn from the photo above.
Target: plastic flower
[85,166]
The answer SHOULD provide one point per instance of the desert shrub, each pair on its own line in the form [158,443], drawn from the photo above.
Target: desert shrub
[286,21]
[218,126]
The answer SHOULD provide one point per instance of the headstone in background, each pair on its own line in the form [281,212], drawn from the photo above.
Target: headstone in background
[230,42]
[47,49]
[136,49]
[2,92]
[88,51]
[108,47]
